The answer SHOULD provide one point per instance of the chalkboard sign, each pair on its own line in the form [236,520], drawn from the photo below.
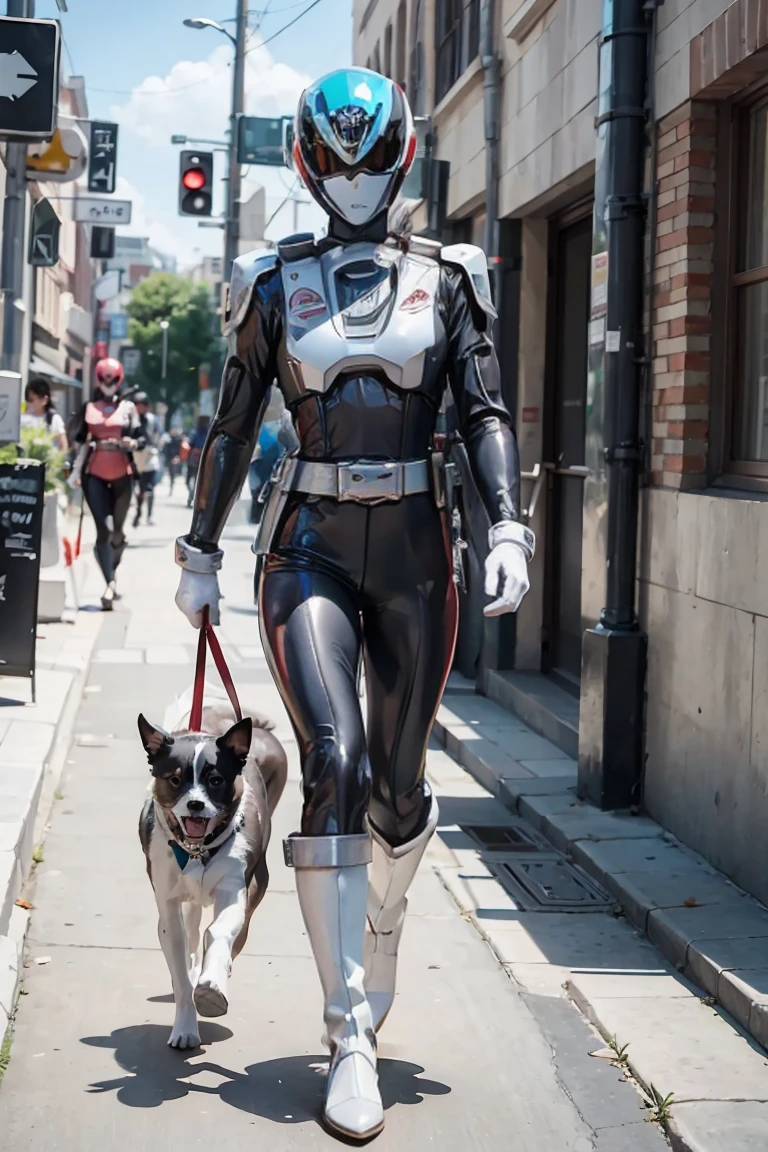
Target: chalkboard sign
[22,491]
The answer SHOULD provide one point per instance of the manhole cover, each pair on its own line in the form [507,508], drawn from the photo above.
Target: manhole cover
[503,838]
[556,885]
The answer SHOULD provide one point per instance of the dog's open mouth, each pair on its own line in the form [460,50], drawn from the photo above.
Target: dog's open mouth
[195,827]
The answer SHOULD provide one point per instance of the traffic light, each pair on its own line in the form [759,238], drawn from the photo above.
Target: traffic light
[196,184]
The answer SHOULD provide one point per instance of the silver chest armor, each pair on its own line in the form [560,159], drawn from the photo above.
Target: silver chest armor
[360,309]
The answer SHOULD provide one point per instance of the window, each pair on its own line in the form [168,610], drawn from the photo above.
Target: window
[400,46]
[746,449]
[388,51]
[457,41]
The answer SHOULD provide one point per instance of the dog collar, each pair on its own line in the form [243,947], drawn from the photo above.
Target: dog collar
[203,855]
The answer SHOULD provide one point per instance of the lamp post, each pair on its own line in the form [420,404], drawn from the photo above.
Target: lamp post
[164,369]
[232,228]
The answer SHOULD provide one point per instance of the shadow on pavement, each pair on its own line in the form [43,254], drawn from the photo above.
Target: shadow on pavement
[289,1089]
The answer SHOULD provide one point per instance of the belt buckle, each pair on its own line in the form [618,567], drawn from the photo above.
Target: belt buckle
[370,483]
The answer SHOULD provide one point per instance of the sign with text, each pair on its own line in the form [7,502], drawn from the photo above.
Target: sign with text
[22,491]
[102,158]
[29,78]
[118,326]
[89,210]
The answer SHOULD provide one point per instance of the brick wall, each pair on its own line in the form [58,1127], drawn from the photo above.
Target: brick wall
[682,296]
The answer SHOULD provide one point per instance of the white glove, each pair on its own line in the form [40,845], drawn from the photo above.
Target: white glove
[196,589]
[506,569]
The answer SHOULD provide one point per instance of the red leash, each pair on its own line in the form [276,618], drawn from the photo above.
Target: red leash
[208,637]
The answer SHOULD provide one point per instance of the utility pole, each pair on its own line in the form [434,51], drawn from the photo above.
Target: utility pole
[14,229]
[232,232]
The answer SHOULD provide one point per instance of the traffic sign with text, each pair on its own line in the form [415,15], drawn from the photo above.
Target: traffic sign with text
[90,210]
[44,236]
[102,160]
[29,78]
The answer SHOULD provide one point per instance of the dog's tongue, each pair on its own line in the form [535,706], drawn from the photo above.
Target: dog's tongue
[195,827]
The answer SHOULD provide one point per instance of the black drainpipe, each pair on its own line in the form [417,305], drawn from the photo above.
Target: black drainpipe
[614,653]
[491,109]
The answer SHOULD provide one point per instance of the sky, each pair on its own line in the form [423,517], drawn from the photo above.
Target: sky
[144,70]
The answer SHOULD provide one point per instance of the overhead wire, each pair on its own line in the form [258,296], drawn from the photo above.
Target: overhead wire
[198,83]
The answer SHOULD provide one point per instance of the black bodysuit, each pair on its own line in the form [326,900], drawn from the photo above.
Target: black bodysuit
[343,577]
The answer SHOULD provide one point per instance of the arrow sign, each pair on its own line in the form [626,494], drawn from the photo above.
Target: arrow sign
[29,78]
[16,76]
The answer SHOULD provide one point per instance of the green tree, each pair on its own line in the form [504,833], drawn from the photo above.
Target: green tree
[192,339]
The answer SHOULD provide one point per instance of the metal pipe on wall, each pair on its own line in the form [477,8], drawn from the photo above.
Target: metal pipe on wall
[491,109]
[614,653]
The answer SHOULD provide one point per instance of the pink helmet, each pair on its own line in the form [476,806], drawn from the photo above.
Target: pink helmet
[109,375]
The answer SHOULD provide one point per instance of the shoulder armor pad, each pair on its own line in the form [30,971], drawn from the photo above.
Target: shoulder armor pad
[423,246]
[246,271]
[298,247]
[473,263]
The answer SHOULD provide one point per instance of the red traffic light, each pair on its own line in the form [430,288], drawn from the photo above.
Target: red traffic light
[194,179]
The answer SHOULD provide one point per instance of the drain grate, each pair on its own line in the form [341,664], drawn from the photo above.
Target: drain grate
[555,885]
[503,838]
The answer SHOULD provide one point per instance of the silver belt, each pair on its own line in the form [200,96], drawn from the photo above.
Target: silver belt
[367,483]
[108,446]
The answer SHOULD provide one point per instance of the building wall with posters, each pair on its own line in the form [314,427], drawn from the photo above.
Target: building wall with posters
[702,590]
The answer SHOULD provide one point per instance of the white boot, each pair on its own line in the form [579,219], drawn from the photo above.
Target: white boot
[391,874]
[332,883]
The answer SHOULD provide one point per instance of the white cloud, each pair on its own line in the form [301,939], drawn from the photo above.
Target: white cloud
[194,99]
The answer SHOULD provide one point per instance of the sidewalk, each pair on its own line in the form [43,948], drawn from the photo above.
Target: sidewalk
[468,1059]
[33,743]
[678,1038]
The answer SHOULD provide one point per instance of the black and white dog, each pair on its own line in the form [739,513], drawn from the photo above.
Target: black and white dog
[205,831]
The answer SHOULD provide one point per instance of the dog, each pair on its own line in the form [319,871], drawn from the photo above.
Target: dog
[205,830]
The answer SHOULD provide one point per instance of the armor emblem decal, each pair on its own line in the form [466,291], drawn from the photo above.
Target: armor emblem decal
[306,303]
[416,301]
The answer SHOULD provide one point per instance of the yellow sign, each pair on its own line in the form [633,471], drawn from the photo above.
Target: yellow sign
[61,160]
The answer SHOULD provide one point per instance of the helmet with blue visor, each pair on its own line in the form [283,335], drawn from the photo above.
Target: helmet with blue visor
[354,143]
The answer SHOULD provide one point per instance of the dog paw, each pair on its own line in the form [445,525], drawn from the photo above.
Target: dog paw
[210,1001]
[185,1033]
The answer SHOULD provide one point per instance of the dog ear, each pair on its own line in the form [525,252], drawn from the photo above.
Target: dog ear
[238,739]
[153,738]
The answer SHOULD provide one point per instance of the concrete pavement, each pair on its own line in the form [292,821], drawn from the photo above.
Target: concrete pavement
[470,1057]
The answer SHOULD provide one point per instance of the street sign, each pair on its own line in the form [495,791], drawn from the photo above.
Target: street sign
[102,163]
[118,326]
[10,407]
[29,78]
[62,159]
[22,493]
[107,286]
[102,243]
[262,140]
[44,236]
[131,361]
[89,210]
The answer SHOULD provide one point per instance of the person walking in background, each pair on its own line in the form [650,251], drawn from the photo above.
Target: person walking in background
[41,412]
[196,441]
[171,451]
[147,459]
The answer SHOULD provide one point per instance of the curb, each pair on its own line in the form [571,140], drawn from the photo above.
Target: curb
[33,794]
[715,944]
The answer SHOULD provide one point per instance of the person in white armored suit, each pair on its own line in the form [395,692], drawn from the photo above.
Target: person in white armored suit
[361,331]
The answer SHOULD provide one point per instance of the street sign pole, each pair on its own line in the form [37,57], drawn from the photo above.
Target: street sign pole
[14,226]
[232,230]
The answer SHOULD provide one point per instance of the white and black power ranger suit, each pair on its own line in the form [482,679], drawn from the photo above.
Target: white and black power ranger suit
[361,331]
